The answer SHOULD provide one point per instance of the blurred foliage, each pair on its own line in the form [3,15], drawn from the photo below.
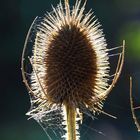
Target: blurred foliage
[128,6]
[120,20]
[131,33]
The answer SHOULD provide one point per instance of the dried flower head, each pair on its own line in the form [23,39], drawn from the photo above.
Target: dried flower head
[70,64]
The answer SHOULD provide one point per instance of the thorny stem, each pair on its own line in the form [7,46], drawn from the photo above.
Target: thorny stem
[70,110]
[66,1]
[132,108]
[70,122]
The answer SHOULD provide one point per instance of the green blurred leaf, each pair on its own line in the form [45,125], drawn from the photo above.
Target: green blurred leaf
[131,33]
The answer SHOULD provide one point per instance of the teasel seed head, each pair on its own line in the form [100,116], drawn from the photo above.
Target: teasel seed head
[70,62]
[71,67]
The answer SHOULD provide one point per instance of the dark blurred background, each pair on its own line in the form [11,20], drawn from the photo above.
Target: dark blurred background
[120,20]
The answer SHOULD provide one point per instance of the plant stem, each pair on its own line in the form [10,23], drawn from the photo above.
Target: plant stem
[70,122]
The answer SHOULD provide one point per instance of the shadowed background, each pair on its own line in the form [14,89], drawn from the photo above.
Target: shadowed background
[120,20]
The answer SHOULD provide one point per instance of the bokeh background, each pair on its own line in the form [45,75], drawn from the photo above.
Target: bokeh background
[120,20]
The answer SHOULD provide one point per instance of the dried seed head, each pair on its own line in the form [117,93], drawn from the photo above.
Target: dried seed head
[70,62]
[71,67]
[70,57]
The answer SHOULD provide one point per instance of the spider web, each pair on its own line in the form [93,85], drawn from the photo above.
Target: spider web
[52,124]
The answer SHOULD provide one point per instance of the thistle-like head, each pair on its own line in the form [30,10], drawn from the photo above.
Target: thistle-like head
[70,62]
